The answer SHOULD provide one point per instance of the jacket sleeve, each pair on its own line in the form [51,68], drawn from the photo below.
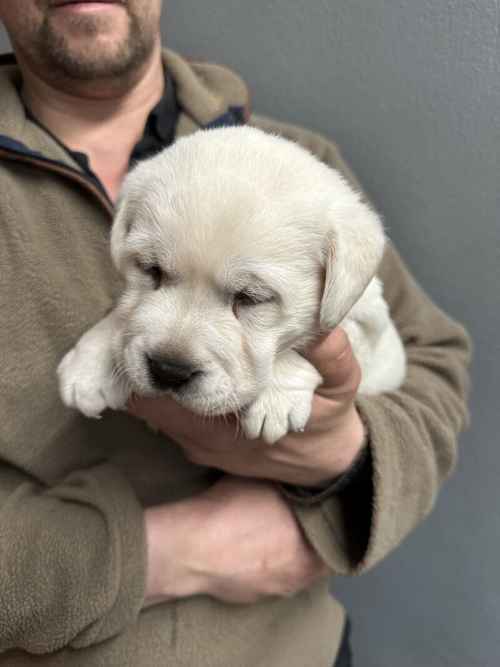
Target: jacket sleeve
[412,432]
[72,561]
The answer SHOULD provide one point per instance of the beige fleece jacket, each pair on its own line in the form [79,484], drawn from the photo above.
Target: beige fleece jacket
[72,490]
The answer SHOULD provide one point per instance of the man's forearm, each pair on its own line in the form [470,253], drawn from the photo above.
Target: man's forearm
[169,530]
[237,542]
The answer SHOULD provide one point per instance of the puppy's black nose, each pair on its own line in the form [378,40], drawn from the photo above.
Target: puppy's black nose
[169,373]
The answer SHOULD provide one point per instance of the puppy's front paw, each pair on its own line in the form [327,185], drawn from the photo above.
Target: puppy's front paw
[87,382]
[286,404]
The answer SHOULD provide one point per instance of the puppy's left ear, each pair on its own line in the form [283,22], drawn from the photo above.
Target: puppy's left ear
[354,249]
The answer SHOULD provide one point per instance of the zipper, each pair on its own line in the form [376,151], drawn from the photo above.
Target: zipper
[234,116]
[61,170]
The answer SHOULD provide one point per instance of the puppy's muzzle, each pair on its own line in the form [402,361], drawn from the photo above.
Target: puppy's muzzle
[168,373]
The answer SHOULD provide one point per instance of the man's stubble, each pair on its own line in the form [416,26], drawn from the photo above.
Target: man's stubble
[86,63]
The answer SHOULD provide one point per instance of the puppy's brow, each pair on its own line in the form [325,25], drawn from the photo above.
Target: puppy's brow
[248,281]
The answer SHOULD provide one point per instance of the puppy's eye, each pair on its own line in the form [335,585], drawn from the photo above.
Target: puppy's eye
[245,299]
[154,271]
[156,274]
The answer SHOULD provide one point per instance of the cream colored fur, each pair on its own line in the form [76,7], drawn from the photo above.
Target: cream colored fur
[261,247]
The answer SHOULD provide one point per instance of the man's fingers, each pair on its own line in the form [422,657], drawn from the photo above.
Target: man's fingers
[332,355]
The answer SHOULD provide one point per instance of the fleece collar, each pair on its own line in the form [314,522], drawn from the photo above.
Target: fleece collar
[208,95]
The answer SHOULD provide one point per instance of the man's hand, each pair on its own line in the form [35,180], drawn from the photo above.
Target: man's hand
[238,542]
[331,441]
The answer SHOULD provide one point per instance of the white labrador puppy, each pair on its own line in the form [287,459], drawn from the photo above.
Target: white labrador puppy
[238,248]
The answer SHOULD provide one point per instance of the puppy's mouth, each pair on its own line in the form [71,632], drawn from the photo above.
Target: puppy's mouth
[187,384]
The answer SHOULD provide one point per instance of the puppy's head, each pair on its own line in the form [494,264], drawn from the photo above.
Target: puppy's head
[235,246]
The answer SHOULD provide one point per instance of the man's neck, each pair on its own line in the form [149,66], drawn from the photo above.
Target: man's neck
[103,124]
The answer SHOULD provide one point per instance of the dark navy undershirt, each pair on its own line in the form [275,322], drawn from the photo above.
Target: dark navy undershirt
[159,130]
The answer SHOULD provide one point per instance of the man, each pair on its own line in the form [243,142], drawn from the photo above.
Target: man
[117,546]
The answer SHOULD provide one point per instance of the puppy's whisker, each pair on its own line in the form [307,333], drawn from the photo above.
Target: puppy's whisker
[233,411]
[237,424]
[121,377]
[120,372]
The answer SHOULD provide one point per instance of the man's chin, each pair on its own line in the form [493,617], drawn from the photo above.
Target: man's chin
[94,45]
[93,62]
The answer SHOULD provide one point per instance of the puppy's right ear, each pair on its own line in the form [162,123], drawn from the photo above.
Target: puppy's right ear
[122,226]
[355,245]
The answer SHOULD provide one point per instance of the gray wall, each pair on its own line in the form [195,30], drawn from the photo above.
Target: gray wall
[410,91]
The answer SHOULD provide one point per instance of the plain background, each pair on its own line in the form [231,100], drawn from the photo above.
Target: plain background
[409,89]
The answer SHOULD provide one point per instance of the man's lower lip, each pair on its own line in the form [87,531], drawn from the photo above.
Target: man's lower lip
[87,6]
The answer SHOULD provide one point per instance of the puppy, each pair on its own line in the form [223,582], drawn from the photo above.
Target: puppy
[238,248]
